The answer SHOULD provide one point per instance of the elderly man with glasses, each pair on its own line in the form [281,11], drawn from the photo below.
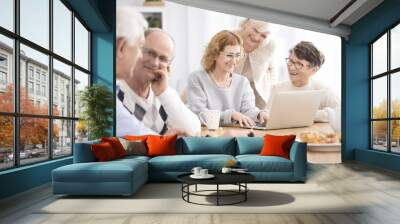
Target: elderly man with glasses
[303,62]
[146,93]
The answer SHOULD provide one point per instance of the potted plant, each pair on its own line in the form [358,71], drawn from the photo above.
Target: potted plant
[96,102]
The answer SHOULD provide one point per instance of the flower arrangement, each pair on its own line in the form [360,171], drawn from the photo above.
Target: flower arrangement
[231,163]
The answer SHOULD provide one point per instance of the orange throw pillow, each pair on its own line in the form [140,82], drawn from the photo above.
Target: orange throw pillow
[116,145]
[103,152]
[136,137]
[161,145]
[277,145]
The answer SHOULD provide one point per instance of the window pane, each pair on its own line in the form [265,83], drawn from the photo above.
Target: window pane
[379,55]
[7,14]
[62,29]
[6,142]
[395,136]
[33,139]
[379,98]
[62,89]
[81,131]
[379,135]
[81,45]
[34,80]
[81,81]
[6,74]
[395,94]
[395,47]
[62,141]
[35,21]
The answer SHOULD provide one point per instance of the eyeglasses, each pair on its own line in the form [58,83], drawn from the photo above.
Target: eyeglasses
[152,53]
[296,64]
[232,55]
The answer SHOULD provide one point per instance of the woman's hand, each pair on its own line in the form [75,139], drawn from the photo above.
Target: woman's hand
[242,119]
[262,117]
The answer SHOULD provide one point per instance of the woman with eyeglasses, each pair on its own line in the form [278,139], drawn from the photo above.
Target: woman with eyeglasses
[303,62]
[218,87]
[257,61]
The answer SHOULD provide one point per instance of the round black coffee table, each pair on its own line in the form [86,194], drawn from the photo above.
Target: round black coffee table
[238,179]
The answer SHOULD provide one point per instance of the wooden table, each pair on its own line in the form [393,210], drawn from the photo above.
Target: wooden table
[238,131]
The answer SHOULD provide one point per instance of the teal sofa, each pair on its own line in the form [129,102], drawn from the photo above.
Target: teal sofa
[125,176]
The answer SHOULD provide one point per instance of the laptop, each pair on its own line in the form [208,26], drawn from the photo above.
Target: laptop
[292,109]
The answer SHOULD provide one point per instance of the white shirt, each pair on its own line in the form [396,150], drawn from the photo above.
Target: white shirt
[128,124]
[160,113]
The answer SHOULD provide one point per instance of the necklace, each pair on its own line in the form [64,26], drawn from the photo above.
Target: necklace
[225,83]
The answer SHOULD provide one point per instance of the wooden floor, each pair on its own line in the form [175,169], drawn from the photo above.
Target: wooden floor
[377,188]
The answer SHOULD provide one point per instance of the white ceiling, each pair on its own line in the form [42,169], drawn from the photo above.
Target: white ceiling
[316,15]
[321,9]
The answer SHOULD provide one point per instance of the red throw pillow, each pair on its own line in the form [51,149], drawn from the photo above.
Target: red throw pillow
[277,145]
[116,145]
[161,145]
[103,152]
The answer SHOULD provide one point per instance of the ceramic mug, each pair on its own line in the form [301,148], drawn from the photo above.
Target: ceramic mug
[196,171]
[203,172]
[210,118]
[226,170]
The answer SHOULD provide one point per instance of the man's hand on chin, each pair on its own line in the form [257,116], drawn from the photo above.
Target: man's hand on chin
[160,82]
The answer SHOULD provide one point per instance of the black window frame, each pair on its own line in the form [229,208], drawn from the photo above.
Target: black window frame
[16,115]
[388,74]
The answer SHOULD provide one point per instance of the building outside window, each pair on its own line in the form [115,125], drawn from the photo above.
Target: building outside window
[43,90]
[30,87]
[3,78]
[385,92]
[38,89]
[34,75]
[44,78]
[30,72]
[3,72]
[3,61]
[37,75]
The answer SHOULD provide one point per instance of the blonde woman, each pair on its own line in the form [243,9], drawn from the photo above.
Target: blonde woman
[217,87]
[257,61]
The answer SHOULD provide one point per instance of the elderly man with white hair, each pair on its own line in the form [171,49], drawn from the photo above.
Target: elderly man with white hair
[130,38]
[258,61]
[147,94]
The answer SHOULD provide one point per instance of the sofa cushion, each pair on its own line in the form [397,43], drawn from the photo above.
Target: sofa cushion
[206,145]
[161,145]
[116,145]
[133,157]
[185,163]
[136,147]
[277,145]
[103,152]
[249,145]
[112,171]
[83,152]
[257,163]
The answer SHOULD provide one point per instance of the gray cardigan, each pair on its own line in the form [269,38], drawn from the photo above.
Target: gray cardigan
[204,94]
